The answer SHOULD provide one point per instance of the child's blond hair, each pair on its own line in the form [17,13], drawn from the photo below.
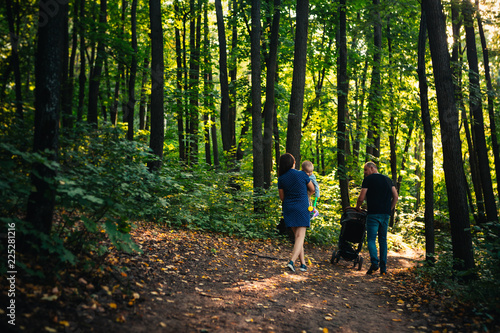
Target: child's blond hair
[307,166]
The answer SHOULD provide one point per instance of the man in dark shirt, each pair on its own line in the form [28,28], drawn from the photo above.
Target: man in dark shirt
[381,198]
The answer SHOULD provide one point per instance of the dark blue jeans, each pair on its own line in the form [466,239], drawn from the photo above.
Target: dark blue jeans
[376,225]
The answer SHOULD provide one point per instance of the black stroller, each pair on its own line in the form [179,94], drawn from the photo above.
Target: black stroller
[353,230]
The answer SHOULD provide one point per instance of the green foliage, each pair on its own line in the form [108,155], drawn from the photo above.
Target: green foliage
[103,184]
[325,228]
[218,201]
[479,287]
[409,228]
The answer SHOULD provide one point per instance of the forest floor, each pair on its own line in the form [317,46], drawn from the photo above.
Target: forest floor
[187,281]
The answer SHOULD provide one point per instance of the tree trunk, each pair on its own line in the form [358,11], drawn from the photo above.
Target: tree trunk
[258,160]
[246,114]
[66,90]
[428,143]
[185,91]
[195,115]
[233,66]
[48,74]
[82,76]
[68,119]
[393,123]
[157,65]
[114,107]
[476,107]
[342,93]
[224,85]
[491,95]
[456,65]
[418,172]
[122,67]
[392,144]
[143,98]
[294,134]
[206,135]
[14,42]
[269,105]
[133,73]
[276,132]
[215,145]
[450,137]
[207,86]
[374,99]
[359,116]
[194,73]
[179,86]
[95,76]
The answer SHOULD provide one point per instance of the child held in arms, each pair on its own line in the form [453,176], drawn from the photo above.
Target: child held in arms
[308,168]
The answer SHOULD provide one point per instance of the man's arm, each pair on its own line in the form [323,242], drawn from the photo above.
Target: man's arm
[282,194]
[361,198]
[395,198]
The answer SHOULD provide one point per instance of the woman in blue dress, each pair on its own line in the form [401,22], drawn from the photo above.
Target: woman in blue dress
[293,186]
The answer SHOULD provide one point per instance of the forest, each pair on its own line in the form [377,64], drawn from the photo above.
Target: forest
[174,113]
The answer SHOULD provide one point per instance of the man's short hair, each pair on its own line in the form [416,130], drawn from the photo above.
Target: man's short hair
[371,165]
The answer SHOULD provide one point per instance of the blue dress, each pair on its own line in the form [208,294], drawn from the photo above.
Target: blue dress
[296,203]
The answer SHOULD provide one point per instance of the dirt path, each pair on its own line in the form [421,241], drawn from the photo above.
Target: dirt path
[207,284]
[194,282]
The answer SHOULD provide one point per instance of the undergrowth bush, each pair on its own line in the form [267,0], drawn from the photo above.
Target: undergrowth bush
[102,184]
[218,201]
[479,288]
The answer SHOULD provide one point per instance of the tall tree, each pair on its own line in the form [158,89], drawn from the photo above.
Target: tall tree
[456,186]
[207,85]
[258,157]
[14,43]
[294,134]
[224,83]
[233,68]
[194,78]
[157,65]
[476,107]
[48,74]
[95,75]
[456,65]
[428,145]
[179,83]
[342,92]
[276,133]
[133,72]
[360,100]
[82,78]
[491,103]
[269,105]
[66,99]
[374,98]
[69,77]
[143,98]
[394,124]
[122,64]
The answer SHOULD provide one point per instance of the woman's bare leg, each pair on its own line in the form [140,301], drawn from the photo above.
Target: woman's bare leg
[298,247]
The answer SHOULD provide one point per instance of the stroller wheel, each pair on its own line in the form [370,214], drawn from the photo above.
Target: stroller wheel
[332,261]
[335,257]
[360,264]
